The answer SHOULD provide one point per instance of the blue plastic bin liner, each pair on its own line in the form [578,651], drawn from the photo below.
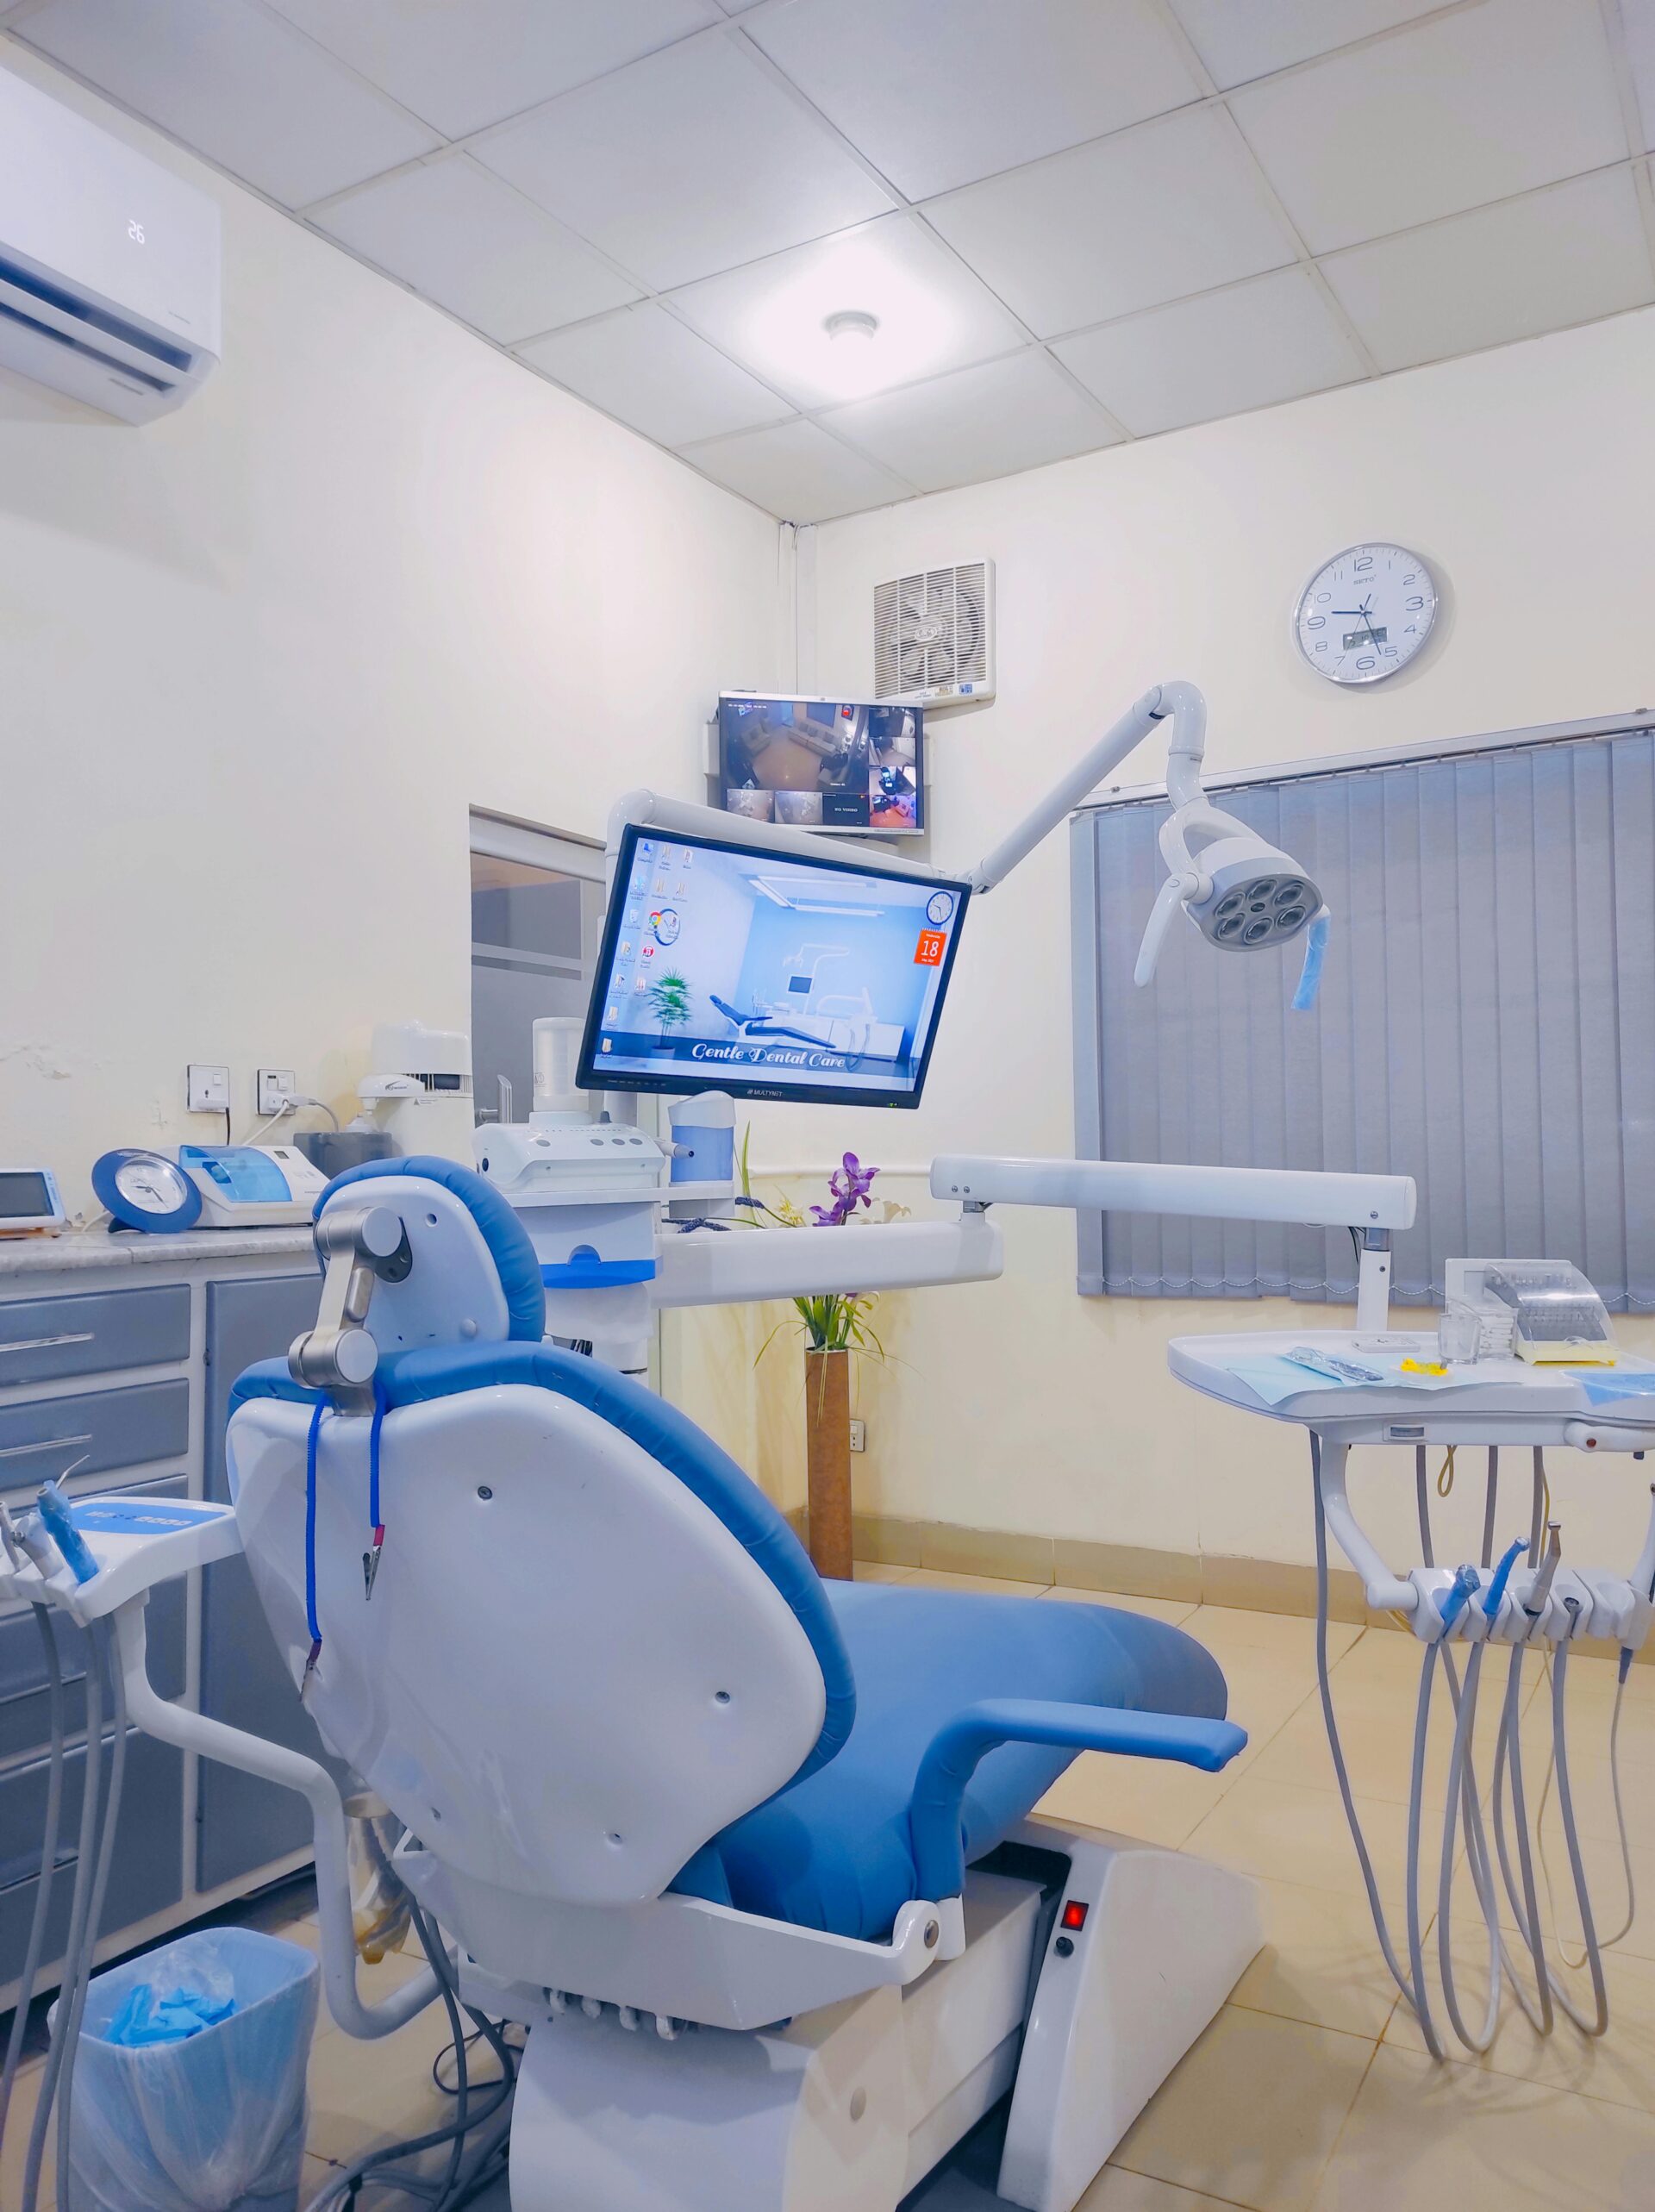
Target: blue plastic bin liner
[214,2122]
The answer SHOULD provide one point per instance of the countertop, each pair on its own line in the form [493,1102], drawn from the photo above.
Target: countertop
[77,1251]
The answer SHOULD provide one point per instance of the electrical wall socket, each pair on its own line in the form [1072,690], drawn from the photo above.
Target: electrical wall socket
[206,1089]
[276,1086]
[859,1436]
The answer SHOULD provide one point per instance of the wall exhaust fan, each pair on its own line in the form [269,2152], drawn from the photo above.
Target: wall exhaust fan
[934,635]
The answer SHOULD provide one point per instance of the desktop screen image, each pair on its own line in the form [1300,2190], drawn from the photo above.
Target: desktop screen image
[823,763]
[731,968]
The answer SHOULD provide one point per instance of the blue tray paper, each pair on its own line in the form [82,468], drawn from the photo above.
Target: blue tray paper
[1606,1386]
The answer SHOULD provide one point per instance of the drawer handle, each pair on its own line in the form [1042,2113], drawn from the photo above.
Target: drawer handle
[47,1343]
[46,1444]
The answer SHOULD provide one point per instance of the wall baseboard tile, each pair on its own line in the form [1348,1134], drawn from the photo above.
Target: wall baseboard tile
[1127,1571]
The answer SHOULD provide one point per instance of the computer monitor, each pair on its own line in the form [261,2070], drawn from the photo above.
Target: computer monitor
[823,763]
[767,974]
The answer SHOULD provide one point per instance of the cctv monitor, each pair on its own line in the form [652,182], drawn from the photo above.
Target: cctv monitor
[827,764]
[767,974]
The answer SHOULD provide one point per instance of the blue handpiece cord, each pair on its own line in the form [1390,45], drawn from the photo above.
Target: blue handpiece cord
[311,1620]
[376,1521]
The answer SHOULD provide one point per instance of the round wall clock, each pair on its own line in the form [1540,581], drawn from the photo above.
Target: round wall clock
[1365,614]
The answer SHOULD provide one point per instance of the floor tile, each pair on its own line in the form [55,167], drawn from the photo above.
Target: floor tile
[1154,1800]
[1251,2113]
[1619,2066]
[870,1570]
[14,2152]
[935,1578]
[1421,2136]
[1223,1628]
[1117,2190]
[1172,1610]
[1287,1832]
[1320,1963]
[363,2094]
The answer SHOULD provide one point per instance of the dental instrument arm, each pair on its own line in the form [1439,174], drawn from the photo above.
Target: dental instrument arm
[954,1752]
[212,1739]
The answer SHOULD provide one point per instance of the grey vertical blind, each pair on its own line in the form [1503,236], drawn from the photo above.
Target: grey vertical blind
[1486,1023]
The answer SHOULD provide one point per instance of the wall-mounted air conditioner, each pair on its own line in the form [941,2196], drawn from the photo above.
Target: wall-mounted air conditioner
[109,263]
[934,635]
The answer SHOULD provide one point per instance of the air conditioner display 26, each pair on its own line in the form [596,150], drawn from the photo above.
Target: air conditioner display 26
[109,263]
[934,635]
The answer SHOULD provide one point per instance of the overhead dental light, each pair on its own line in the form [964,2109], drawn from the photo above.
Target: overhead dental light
[1242,893]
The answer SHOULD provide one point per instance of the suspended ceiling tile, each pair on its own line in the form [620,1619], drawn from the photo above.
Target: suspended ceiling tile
[463,239]
[245,90]
[989,421]
[1275,338]
[1458,111]
[1239,42]
[935,100]
[687,162]
[1560,257]
[644,367]
[1638,17]
[1171,208]
[460,68]
[933,316]
[797,472]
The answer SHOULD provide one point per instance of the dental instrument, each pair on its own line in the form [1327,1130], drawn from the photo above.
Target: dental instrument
[1527,1600]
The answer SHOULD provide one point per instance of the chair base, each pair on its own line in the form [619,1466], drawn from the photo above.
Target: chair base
[848,2108]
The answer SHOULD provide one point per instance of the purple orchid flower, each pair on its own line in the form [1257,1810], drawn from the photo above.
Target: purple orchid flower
[848,1185]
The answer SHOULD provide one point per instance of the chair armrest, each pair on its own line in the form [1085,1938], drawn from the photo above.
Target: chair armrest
[952,1759]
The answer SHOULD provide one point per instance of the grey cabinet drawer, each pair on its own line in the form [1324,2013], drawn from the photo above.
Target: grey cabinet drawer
[44,1339]
[147,1866]
[25,1699]
[101,1429]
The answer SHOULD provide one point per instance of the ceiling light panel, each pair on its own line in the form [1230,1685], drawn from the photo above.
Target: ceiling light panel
[645,367]
[1171,208]
[687,162]
[1637,17]
[1239,42]
[1272,339]
[1562,256]
[989,421]
[933,316]
[469,242]
[460,68]
[241,86]
[1462,110]
[936,98]
[798,473]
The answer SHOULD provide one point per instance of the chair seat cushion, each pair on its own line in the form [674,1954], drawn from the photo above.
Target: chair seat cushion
[832,1850]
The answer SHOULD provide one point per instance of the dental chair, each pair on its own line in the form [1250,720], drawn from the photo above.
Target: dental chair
[753,1856]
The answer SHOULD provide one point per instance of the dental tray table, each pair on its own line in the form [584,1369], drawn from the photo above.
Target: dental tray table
[1486,1401]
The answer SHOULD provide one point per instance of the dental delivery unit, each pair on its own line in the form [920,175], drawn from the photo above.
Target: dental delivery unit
[752,1856]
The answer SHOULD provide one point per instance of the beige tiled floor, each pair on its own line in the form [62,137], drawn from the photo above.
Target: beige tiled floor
[1311,2091]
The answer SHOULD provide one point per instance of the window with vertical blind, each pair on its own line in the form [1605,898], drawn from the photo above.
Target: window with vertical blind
[1486,1022]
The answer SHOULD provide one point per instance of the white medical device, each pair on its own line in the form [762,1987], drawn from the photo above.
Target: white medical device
[30,1203]
[208,1187]
[1393,1388]
[419,1092]
[109,263]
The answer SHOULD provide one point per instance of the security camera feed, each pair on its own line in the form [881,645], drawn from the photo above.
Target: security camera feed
[728,967]
[823,763]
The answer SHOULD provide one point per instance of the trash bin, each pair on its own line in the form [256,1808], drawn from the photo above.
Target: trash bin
[212,2120]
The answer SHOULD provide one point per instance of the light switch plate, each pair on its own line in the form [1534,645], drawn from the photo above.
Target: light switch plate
[207,1088]
[276,1086]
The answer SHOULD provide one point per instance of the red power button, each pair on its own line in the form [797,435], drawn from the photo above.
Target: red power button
[1074,1914]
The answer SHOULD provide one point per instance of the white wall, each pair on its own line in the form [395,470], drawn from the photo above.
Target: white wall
[257,659]
[1527,478]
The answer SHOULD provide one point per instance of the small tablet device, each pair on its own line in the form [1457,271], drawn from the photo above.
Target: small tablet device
[30,1201]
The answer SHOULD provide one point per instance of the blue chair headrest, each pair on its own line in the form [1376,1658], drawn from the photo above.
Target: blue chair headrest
[503,1234]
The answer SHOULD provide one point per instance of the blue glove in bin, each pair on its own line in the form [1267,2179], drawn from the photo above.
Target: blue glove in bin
[190,2083]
